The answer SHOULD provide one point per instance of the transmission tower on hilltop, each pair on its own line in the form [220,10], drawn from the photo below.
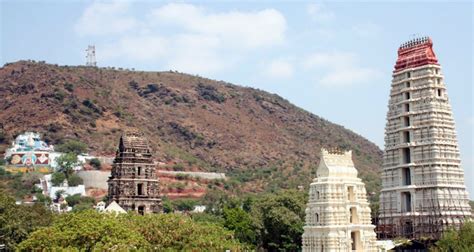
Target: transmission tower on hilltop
[91,56]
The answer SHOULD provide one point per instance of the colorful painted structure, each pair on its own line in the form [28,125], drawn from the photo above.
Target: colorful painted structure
[29,153]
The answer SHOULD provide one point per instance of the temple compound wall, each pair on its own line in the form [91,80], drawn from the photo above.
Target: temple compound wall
[338,213]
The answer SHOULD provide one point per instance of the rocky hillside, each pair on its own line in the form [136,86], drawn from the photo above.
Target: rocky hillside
[257,138]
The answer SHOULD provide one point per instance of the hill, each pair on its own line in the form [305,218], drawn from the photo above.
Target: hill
[259,139]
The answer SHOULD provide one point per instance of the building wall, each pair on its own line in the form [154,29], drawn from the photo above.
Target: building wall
[95,179]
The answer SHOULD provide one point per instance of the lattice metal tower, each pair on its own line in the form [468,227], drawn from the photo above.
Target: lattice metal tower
[423,183]
[90,56]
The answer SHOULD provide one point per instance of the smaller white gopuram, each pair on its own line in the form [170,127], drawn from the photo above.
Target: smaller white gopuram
[338,213]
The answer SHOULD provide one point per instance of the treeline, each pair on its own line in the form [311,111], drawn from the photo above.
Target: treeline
[269,221]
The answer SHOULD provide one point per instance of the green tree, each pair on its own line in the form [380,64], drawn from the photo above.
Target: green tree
[72,146]
[89,230]
[167,205]
[239,221]
[184,204]
[66,163]
[81,207]
[77,199]
[279,219]
[73,200]
[43,199]
[177,232]
[23,183]
[57,178]
[207,217]
[457,241]
[18,221]
[216,200]
[95,162]
[74,180]
[85,230]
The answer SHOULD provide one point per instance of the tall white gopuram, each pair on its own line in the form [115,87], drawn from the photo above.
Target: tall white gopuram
[423,182]
[338,214]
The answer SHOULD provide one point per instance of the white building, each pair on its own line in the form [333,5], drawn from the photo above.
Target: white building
[338,214]
[423,190]
[64,188]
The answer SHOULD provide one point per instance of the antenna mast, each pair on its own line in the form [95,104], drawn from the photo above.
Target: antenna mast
[91,56]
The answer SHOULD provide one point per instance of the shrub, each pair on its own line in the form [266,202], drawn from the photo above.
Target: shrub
[133,84]
[59,95]
[41,198]
[181,176]
[95,162]
[178,167]
[69,86]
[210,93]
[74,146]
[152,88]
[179,186]
[89,104]
[184,204]
[5,174]
[78,201]
[57,178]
[72,200]
[3,137]
[74,180]
[167,205]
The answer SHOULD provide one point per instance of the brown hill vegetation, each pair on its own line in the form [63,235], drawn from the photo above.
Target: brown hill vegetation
[259,139]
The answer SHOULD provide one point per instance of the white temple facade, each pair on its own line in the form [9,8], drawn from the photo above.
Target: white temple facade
[338,213]
[423,190]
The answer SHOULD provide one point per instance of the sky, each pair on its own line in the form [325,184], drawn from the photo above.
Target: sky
[334,58]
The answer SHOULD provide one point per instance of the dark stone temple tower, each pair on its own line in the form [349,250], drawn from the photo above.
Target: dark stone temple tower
[133,182]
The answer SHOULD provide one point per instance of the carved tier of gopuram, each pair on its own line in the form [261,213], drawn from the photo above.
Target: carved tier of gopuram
[338,213]
[423,190]
[134,182]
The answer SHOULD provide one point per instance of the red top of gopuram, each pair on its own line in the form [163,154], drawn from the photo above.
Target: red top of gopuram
[414,53]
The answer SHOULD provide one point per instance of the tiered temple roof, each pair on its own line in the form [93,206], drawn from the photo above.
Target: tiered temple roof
[134,182]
